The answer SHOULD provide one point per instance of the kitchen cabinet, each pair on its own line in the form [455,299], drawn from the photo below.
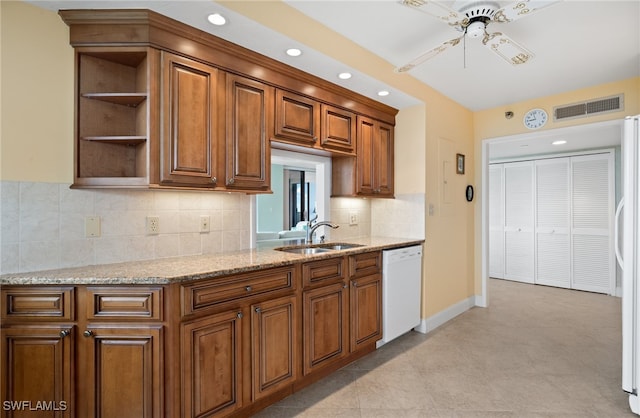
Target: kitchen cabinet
[189,143]
[338,129]
[297,119]
[274,341]
[162,104]
[370,172]
[365,299]
[249,125]
[99,364]
[212,364]
[114,107]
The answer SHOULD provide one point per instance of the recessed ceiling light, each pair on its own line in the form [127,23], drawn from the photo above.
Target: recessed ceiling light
[559,142]
[294,52]
[216,19]
[383,93]
[344,76]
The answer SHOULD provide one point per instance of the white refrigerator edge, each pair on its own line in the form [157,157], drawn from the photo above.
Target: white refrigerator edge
[628,253]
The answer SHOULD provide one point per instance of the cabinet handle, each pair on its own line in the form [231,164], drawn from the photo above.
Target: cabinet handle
[214,179]
[258,310]
[248,288]
[64,333]
[344,285]
[88,333]
[354,284]
[239,315]
[231,181]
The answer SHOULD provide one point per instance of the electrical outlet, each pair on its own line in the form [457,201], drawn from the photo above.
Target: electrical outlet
[353,218]
[205,223]
[92,226]
[153,225]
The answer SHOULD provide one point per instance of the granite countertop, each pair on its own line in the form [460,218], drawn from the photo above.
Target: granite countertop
[180,269]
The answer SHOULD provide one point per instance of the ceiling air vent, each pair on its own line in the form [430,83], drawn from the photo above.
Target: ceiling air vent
[584,109]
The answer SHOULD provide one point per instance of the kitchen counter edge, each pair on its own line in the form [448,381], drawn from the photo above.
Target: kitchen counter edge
[190,268]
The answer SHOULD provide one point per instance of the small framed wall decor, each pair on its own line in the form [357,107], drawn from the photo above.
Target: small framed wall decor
[460,163]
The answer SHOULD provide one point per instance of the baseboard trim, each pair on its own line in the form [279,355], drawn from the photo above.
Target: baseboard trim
[429,324]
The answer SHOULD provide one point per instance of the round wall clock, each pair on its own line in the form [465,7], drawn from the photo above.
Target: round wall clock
[535,118]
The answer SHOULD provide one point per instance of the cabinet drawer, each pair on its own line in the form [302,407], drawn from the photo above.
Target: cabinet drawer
[204,295]
[124,302]
[323,271]
[363,264]
[41,303]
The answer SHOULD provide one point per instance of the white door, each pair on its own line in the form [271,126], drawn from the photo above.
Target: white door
[518,235]
[553,251]
[496,221]
[591,223]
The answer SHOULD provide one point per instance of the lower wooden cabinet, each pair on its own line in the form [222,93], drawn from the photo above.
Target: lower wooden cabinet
[211,382]
[326,325]
[38,365]
[196,349]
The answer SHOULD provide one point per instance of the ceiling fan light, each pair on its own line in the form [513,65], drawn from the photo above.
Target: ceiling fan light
[476,29]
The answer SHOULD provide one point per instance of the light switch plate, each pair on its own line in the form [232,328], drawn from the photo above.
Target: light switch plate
[205,223]
[92,227]
[353,218]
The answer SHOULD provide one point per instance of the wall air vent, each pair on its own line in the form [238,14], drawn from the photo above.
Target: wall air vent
[584,109]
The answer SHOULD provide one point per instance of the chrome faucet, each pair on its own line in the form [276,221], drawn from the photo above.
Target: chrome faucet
[312,229]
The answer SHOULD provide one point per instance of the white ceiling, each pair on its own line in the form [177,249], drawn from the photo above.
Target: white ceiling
[576,44]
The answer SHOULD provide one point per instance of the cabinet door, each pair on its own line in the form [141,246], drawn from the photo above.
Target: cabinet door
[249,126]
[375,158]
[37,366]
[274,340]
[189,115]
[383,160]
[338,129]
[212,365]
[123,369]
[325,325]
[366,310]
[297,118]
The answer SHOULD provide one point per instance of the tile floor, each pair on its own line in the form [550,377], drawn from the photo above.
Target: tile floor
[535,352]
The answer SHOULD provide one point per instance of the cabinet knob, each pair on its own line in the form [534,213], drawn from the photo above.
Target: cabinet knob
[88,333]
[64,333]
[248,288]
[354,284]
[344,285]
[258,310]
[214,179]
[231,181]
[239,315]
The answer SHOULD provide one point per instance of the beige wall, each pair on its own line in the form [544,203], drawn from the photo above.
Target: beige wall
[37,95]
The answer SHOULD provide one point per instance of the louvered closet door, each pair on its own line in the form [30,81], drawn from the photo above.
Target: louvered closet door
[496,221]
[592,212]
[518,235]
[553,253]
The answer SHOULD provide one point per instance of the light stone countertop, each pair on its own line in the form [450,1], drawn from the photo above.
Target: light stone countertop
[186,268]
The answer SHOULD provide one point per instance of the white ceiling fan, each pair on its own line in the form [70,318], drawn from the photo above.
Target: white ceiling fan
[472,20]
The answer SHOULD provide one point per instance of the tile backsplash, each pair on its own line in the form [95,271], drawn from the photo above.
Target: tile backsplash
[42,225]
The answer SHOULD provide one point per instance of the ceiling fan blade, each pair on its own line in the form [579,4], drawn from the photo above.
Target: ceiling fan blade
[507,48]
[428,55]
[520,9]
[439,11]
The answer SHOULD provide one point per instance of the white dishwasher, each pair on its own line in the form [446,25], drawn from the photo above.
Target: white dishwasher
[401,291]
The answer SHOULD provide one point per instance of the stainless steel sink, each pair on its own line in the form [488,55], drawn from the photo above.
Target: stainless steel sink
[339,246]
[317,248]
[304,250]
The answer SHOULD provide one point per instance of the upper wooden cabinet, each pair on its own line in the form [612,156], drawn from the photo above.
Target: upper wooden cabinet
[162,104]
[297,118]
[338,129]
[249,125]
[189,140]
[370,173]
